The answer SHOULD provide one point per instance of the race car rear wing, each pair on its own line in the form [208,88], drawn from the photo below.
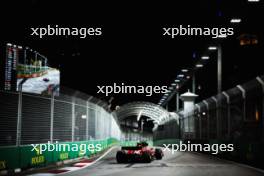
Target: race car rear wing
[131,148]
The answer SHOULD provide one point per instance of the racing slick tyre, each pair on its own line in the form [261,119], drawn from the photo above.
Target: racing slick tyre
[121,157]
[146,157]
[158,154]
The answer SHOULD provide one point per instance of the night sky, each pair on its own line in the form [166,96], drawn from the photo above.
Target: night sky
[132,49]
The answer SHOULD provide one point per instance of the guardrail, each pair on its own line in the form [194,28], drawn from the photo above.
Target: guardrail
[23,157]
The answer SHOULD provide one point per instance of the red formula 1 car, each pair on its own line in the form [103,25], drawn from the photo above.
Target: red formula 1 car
[139,153]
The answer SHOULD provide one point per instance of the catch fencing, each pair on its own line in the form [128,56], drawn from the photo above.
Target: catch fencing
[71,116]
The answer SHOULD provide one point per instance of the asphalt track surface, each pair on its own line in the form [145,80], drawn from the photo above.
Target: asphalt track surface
[180,163]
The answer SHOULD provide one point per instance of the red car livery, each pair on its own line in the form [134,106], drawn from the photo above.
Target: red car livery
[140,153]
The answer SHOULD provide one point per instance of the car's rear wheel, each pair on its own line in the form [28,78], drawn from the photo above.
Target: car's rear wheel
[121,157]
[158,154]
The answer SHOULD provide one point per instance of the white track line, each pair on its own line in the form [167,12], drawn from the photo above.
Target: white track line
[80,164]
[89,164]
[69,168]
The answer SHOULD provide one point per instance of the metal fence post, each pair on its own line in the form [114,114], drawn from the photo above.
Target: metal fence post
[217,118]
[51,116]
[219,68]
[73,119]
[19,112]
[87,120]
[208,118]
[177,101]
[96,126]
[244,100]
[19,116]
[200,121]
[228,114]
[110,125]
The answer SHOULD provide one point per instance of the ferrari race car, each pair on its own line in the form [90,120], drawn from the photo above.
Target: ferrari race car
[139,153]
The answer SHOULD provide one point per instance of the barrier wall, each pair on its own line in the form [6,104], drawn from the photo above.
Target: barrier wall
[72,118]
[23,157]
